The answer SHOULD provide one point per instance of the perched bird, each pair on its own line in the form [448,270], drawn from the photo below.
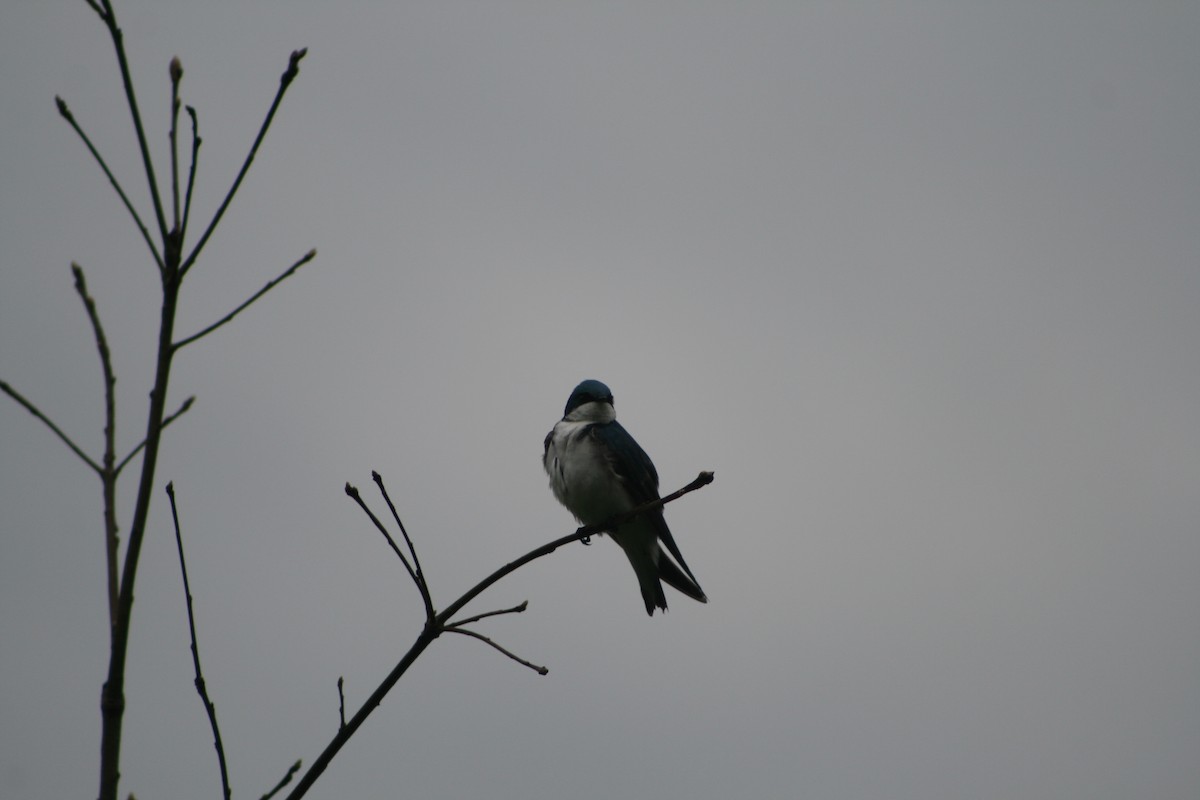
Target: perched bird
[597,470]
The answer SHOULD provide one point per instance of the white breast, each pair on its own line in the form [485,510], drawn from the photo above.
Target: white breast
[580,476]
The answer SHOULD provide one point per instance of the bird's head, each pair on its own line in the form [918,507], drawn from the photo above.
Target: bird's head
[591,400]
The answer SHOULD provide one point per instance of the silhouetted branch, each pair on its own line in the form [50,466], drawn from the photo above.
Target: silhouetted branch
[176,71]
[285,80]
[110,20]
[309,256]
[32,409]
[341,703]
[108,474]
[201,689]
[703,479]
[419,577]
[284,782]
[441,623]
[69,117]
[510,654]
[343,735]
[353,492]
[167,420]
[187,203]
[486,614]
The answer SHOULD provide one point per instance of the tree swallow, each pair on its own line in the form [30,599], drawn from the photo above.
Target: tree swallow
[597,470]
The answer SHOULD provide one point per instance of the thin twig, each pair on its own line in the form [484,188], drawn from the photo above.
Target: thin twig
[285,80]
[108,474]
[167,420]
[309,256]
[353,492]
[95,7]
[110,20]
[32,409]
[176,70]
[514,610]
[465,632]
[419,577]
[69,117]
[284,782]
[201,689]
[341,703]
[434,628]
[703,479]
[187,202]
[424,639]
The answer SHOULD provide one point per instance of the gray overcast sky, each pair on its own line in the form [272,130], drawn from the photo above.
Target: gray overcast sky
[918,281]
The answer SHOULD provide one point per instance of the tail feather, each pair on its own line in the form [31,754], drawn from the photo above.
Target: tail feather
[669,572]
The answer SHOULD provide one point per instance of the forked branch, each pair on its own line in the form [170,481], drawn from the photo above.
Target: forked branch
[440,623]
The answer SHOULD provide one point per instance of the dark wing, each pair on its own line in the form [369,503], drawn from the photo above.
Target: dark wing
[628,460]
[636,471]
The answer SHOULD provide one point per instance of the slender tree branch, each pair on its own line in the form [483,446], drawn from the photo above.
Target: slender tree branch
[179,412]
[434,628]
[465,632]
[187,203]
[112,697]
[284,782]
[69,117]
[284,82]
[341,703]
[309,256]
[118,38]
[343,735]
[108,473]
[32,409]
[95,7]
[353,492]
[419,577]
[514,610]
[201,689]
[703,479]
[176,71]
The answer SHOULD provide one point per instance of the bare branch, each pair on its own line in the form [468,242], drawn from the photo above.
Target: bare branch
[284,782]
[434,628]
[95,7]
[703,479]
[341,703]
[284,81]
[353,492]
[510,654]
[419,577]
[201,689]
[32,409]
[110,20]
[108,474]
[309,256]
[69,117]
[179,412]
[176,70]
[187,202]
[343,735]
[514,610]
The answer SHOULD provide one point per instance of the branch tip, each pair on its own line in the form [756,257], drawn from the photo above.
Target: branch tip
[176,69]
